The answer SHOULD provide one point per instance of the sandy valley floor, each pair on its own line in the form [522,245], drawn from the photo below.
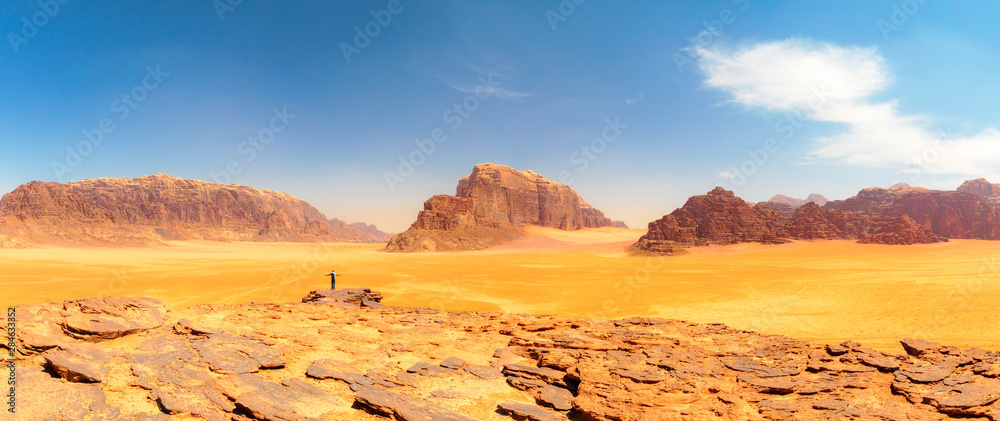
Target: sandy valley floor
[827,291]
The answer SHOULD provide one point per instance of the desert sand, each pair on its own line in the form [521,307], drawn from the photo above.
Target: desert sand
[825,291]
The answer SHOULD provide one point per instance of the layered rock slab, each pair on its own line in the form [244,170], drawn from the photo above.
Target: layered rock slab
[343,362]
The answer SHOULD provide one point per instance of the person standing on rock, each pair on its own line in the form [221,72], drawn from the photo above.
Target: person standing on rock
[333,279]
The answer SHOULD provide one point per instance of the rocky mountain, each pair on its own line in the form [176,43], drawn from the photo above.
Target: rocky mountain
[817,198]
[790,201]
[902,230]
[369,232]
[719,217]
[951,214]
[985,190]
[491,206]
[793,202]
[153,209]
[343,355]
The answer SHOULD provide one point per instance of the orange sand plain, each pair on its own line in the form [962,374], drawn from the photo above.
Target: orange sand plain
[827,291]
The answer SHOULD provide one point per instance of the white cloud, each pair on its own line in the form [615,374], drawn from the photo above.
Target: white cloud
[837,84]
[725,174]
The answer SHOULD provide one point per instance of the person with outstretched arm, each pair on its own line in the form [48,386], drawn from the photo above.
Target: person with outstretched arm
[333,279]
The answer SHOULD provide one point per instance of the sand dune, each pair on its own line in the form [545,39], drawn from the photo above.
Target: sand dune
[827,291]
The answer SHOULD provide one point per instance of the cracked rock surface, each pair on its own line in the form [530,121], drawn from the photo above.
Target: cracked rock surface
[344,360]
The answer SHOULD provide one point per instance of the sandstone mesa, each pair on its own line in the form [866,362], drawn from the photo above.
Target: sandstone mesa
[154,209]
[490,207]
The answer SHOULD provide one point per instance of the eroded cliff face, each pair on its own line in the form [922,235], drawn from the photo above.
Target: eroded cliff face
[964,213]
[719,217]
[490,207]
[989,192]
[154,209]
[949,214]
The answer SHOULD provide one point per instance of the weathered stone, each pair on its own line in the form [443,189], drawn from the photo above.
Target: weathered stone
[40,396]
[329,369]
[230,354]
[404,408]
[878,360]
[778,385]
[353,296]
[918,347]
[528,412]
[483,371]
[547,375]
[96,319]
[426,369]
[929,373]
[80,364]
[962,398]
[452,363]
[187,327]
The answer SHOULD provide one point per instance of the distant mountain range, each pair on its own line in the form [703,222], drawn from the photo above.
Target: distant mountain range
[900,214]
[791,201]
[155,209]
[491,206]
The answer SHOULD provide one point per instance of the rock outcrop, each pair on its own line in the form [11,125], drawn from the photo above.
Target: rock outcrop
[903,230]
[315,361]
[154,209]
[491,206]
[719,217]
[989,192]
[949,214]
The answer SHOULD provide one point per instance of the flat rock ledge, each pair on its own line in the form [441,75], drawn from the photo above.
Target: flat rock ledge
[334,357]
[349,297]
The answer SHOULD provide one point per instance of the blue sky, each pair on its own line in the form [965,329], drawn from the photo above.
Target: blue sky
[909,93]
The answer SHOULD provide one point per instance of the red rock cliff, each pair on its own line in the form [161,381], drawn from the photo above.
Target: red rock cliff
[152,209]
[490,207]
[719,217]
